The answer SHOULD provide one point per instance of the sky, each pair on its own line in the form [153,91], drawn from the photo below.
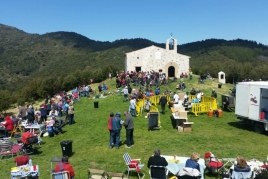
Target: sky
[156,20]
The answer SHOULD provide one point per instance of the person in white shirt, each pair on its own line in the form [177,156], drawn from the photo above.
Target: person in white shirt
[133,107]
[198,95]
[125,91]
[53,112]
[176,98]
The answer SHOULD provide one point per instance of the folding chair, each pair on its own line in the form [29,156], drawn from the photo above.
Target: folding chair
[241,175]
[214,163]
[19,127]
[228,162]
[14,130]
[7,149]
[133,165]
[159,172]
[61,175]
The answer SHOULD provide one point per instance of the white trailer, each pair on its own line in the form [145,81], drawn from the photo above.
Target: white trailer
[252,104]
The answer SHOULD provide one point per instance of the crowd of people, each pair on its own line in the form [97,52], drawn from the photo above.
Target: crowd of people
[62,103]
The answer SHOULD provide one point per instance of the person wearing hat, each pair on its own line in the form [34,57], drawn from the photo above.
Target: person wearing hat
[115,132]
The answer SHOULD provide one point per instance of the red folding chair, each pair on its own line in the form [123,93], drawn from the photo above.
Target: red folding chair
[213,163]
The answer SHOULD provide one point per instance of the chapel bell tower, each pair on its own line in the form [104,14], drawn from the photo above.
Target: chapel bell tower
[171,44]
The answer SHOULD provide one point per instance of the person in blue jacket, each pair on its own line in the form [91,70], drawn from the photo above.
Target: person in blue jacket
[192,162]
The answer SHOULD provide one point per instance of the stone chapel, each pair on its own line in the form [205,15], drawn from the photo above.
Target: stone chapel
[158,59]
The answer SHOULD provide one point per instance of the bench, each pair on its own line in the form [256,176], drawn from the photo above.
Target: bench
[96,174]
[113,175]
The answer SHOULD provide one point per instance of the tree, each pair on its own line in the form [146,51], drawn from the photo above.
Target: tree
[5,100]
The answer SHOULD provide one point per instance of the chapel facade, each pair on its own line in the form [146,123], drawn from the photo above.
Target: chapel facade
[158,59]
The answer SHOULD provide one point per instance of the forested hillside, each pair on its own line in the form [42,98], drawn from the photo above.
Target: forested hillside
[33,65]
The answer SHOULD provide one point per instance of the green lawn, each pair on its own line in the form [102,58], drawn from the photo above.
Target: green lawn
[224,136]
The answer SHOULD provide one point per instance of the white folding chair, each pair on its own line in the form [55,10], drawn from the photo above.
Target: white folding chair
[241,175]
[133,165]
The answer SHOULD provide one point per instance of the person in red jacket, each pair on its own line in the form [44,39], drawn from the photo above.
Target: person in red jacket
[8,125]
[64,165]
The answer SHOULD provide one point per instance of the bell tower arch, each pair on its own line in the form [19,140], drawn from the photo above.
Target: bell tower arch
[171,44]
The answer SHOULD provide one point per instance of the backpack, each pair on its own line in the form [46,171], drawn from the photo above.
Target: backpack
[216,113]
[50,129]
[157,92]
[65,107]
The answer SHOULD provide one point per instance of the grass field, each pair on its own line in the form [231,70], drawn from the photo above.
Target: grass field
[224,136]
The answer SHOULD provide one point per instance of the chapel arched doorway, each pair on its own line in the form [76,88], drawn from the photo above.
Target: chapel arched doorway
[171,71]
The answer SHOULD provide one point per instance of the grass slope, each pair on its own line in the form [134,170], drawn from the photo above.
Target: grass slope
[223,136]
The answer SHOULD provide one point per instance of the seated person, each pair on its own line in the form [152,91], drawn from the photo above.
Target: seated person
[64,165]
[59,123]
[8,125]
[183,86]
[241,165]
[15,119]
[53,112]
[233,91]
[192,162]
[22,160]
[156,159]
[178,86]
[193,92]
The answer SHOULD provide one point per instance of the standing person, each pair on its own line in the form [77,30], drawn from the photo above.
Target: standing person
[176,98]
[43,112]
[147,106]
[163,102]
[22,112]
[64,165]
[110,127]
[65,108]
[214,94]
[192,162]
[199,96]
[110,75]
[60,106]
[116,128]
[129,125]
[71,113]
[125,91]
[30,114]
[156,159]
[133,107]
[48,107]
